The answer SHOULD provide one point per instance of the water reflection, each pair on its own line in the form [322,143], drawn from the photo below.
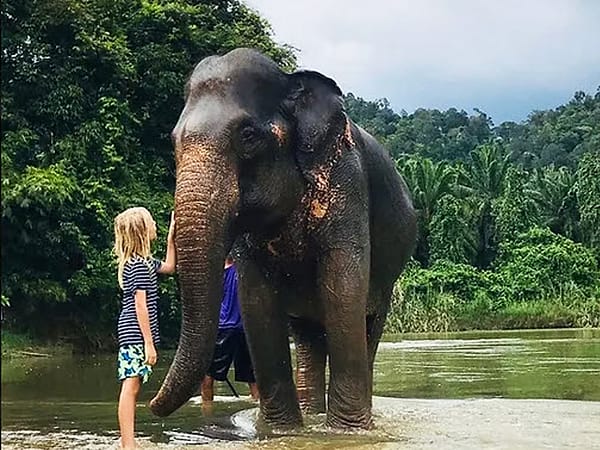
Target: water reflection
[559,364]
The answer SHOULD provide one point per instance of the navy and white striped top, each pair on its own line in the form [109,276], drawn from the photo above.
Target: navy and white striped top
[138,273]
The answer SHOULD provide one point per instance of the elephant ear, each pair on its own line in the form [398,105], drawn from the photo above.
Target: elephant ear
[315,105]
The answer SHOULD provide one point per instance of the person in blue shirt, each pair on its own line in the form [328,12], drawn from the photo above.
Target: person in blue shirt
[231,343]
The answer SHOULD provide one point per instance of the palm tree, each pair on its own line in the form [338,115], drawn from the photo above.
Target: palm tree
[587,189]
[553,191]
[428,182]
[483,179]
[486,174]
[453,235]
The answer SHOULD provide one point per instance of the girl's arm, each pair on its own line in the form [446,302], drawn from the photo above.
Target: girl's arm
[168,265]
[141,312]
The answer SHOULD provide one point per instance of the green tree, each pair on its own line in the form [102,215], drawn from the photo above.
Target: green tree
[428,182]
[587,188]
[90,93]
[376,116]
[557,137]
[453,235]
[553,191]
[484,180]
[515,210]
[540,264]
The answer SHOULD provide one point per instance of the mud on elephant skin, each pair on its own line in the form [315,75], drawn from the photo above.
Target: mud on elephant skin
[270,167]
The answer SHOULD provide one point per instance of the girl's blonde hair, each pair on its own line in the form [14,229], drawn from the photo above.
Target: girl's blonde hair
[134,232]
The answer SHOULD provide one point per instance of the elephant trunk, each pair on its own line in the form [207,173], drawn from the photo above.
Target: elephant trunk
[206,197]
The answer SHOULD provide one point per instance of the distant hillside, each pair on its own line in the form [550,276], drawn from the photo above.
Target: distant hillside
[559,136]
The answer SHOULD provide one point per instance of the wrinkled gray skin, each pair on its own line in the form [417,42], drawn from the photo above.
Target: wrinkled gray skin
[321,225]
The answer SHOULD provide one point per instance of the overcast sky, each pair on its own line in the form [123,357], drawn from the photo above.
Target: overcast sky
[505,57]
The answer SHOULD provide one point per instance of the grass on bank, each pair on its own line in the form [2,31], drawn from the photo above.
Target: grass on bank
[17,345]
[439,311]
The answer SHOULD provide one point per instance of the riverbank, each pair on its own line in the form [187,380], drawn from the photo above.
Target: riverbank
[17,345]
[443,312]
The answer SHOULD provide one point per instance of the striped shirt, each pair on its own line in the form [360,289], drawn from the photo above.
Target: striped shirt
[138,274]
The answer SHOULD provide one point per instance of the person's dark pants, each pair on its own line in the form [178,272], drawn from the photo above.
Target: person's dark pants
[231,347]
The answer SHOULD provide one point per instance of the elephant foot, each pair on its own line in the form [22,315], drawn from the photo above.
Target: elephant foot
[311,404]
[312,407]
[281,418]
[360,420]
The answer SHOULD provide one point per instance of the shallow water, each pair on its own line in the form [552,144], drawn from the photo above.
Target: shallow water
[70,402]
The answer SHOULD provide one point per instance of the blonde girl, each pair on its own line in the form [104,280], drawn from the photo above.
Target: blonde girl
[137,329]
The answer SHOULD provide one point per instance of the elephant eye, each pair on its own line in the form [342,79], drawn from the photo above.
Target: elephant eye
[248,134]
[252,139]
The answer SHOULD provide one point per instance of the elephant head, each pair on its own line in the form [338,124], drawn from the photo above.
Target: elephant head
[247,145]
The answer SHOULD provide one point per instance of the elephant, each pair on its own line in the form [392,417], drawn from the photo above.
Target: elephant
[270,168]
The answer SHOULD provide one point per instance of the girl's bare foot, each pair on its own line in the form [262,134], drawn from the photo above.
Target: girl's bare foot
[129,447]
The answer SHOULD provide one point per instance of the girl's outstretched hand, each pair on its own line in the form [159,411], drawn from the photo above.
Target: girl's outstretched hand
[171,234]
[168,266]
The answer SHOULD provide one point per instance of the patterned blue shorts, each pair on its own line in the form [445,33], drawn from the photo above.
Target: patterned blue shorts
[130,363]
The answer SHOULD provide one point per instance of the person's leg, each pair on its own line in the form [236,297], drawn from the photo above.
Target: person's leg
[243,364]
[207,389]
[222,357]
[254,391]
[130,388]
[132,371]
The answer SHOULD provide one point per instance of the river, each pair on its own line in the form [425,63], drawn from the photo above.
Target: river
[470,390]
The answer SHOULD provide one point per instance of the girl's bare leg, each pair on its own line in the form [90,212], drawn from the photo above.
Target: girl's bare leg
[130,387]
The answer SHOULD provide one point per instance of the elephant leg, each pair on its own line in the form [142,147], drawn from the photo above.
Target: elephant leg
[343,287]
[265,324]
[311,354]
[375,325]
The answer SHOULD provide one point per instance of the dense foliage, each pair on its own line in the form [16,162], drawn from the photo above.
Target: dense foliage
[509,215]
[90,92]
